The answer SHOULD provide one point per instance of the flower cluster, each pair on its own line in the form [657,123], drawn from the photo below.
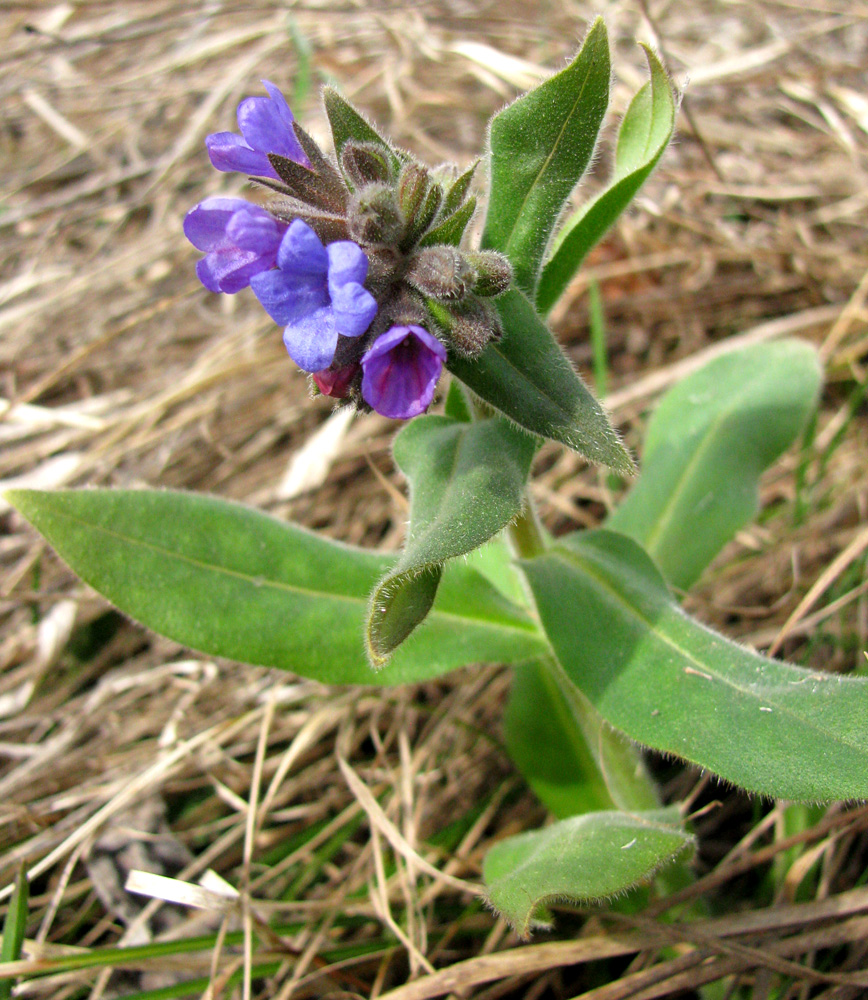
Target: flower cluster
[357,259]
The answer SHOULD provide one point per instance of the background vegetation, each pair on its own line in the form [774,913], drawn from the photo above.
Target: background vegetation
[324,809]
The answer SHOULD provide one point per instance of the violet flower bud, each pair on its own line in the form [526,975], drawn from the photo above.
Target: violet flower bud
[400,371]
[266,127]
[336,382]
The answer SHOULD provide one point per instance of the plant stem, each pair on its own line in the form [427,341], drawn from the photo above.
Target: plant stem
[526,533]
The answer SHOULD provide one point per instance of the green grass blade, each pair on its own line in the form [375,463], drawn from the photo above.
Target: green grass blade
[14,928]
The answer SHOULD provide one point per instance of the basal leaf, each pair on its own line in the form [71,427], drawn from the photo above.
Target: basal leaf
[466,484]
[707,444]
[231,581]
[674,685]
[548,747]
[527,377]
[574,762]
[643,136]
[584,859]
[540,148]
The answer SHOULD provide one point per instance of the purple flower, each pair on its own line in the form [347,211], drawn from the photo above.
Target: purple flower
[239,240]
[317,294]
[401,370]
[266,127]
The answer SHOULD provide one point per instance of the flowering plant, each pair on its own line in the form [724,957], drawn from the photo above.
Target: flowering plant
[362,259]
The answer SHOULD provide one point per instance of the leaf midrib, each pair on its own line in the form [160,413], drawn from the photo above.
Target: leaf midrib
[666,514]
[589,568]
[549,158]
[259,583]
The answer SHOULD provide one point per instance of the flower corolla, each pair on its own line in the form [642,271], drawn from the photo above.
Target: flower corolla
[316,293]
[400,371]
[239,240]
[266,127]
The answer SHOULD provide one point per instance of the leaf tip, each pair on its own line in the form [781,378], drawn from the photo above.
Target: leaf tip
[18,499]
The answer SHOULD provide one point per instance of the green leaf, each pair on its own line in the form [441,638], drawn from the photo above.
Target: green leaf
[348,124]
[458,189]
[585,859]
[644,135]
[707,444]
[548,747]
[540,148]
[456,405]
[466,484]
[571,758]
[400,602]
[670,683]
[231,581]
[527,377]
[494,561]
[451,229]
[14,928]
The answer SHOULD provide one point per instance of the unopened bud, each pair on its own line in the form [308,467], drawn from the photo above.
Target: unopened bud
[373,216]
[469,326]
[493,271]
[365,163]
[412,188]
[336,382]
[441,272]
[419,200]
[458,190]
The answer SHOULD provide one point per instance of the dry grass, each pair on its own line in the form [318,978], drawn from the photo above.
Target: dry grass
[122,751]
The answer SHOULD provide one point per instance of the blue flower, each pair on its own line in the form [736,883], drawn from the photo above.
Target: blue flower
[317,294]
[239,240]
[266,127]
[400,371]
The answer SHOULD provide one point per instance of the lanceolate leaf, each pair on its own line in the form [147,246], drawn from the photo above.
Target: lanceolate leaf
[528,378]
[573,760]
[585,858]
[644,135]
[540,148]
[707,443]
[348,124]
[674,685]
[231,581]
[548,747]
[466,484]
